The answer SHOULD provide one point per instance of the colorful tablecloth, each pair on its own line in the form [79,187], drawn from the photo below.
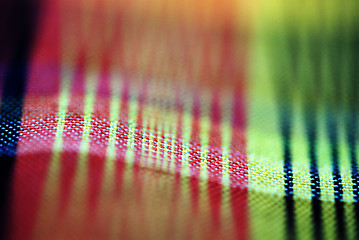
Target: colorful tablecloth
[179,119]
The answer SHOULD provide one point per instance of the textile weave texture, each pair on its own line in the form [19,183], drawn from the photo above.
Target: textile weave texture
[191,119]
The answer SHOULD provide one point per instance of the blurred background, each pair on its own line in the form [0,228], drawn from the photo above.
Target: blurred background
[179,119]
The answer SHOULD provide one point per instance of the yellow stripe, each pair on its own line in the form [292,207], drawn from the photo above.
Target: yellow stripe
[204,127]
[128,174]
[204,204]
[146,45]
[185,198]
[109,175]
[159,131]
[350,220]
[157,87]
[173,143]
[326,180]
[133,105]
[344,163]
[116,86]
[301,176]
[205,124]
[132,120]
[265,160]
[347,181]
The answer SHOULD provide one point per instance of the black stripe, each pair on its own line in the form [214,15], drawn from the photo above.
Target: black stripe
[311,128]
[287,95]
[353,103]
[286,120]
[15,51]
[337,180]
[351,138]
[312,94]
[335,104]
[284,92]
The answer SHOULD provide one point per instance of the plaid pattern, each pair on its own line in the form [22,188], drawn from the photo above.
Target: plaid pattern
[180,120]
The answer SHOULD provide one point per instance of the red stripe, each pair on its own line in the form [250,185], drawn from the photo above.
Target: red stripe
[239,167]
[195,158]
[214,163]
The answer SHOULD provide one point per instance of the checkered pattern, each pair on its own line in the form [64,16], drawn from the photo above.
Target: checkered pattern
[181,120]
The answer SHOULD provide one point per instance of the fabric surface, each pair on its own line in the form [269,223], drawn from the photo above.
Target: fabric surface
[191,119]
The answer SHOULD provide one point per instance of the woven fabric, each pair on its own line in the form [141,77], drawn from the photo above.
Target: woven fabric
[179,119]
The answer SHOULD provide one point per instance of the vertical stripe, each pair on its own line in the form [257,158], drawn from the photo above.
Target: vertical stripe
[288,172]
[185,170]
[352,129]
[38,128]
[301,177]
[315,179]
[108,181]
[227,215]
[99,134]
[265,158]
[54,198]
[23,21]
[310,74]
[338,187]
[76,215]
